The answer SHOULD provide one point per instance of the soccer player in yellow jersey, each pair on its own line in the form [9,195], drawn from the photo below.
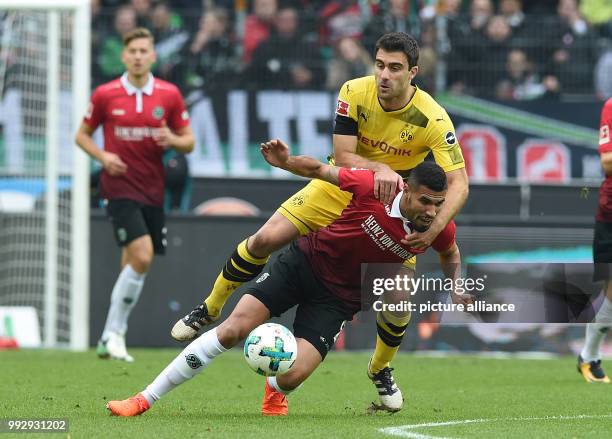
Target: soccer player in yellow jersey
[383,123]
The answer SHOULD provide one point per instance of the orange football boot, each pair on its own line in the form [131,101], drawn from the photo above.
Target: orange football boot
[134,406]
[274,403]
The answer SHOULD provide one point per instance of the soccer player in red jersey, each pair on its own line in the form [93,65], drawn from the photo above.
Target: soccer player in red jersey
[589,360]
[142,116]
[320,274]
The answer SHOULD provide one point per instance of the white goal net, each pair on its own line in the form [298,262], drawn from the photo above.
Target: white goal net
[44,87]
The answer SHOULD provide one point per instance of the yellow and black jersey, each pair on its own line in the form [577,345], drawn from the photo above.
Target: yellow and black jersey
[402,138]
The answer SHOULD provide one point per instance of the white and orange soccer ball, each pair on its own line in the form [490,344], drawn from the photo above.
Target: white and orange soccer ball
[270,349]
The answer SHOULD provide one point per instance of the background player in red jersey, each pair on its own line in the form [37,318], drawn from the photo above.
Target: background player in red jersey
[142,116]
[589,360]
[320,274]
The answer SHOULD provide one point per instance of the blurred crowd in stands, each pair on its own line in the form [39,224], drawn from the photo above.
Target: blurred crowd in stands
[504,49]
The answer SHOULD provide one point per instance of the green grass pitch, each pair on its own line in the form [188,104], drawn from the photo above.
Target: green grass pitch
[479,398]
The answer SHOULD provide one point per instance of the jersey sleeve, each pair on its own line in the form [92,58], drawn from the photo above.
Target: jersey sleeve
[359,182]
[179,116]
[94,115]
[446,238]
[345,121]
[444,144]
[605,143]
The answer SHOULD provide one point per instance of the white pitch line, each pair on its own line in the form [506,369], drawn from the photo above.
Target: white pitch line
[404,430]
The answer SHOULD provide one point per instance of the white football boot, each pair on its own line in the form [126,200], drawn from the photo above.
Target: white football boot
[115,346]
[187,328]
[390,396]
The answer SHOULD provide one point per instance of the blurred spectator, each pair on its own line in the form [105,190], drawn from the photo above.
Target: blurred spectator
[467,39]
[480,13]
[100,24]
[285,60]
[603,76]
[257,26]
[191,10]
[211,59]
[540,7]
[512,11]
[99,29]
[428,58]
[350,61]
[449,8]
[169,41]
[393,16]
[599,14]
[109,57]
[522,81]
[143,12]
[341,18]
[497,45]
[575,50]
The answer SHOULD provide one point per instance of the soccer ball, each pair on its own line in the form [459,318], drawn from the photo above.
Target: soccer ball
[270,349]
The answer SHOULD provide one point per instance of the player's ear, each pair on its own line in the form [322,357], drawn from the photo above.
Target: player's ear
[413,71]
[407,188]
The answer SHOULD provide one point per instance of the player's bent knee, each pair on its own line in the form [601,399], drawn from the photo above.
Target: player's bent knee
[230,333]
[140,254]
[236,327]
[142,261]
[292,379]
[259,244]
[265,242]
[273,235]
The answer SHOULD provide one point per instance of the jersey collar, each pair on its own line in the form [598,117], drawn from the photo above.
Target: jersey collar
[396,212]
[131,90]
[395,207]
[402,109]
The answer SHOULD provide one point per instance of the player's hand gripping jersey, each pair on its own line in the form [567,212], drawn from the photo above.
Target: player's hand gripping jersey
[401,139]
[367,231]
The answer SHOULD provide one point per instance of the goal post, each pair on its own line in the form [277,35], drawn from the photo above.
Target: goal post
[44,88]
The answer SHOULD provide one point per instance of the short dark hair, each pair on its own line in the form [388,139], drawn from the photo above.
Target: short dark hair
[139,32]
[429,174]
[399,42]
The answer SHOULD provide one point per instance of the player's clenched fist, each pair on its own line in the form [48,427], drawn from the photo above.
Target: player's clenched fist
[163,136]
[113,164]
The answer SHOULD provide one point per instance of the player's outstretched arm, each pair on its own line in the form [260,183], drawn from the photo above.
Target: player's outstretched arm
[276,153]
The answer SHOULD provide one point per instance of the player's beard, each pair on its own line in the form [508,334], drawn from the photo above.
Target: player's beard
[421,227]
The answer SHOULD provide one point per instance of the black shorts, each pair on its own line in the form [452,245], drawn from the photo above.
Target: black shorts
[602,251]
[132,220]
[320,315]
